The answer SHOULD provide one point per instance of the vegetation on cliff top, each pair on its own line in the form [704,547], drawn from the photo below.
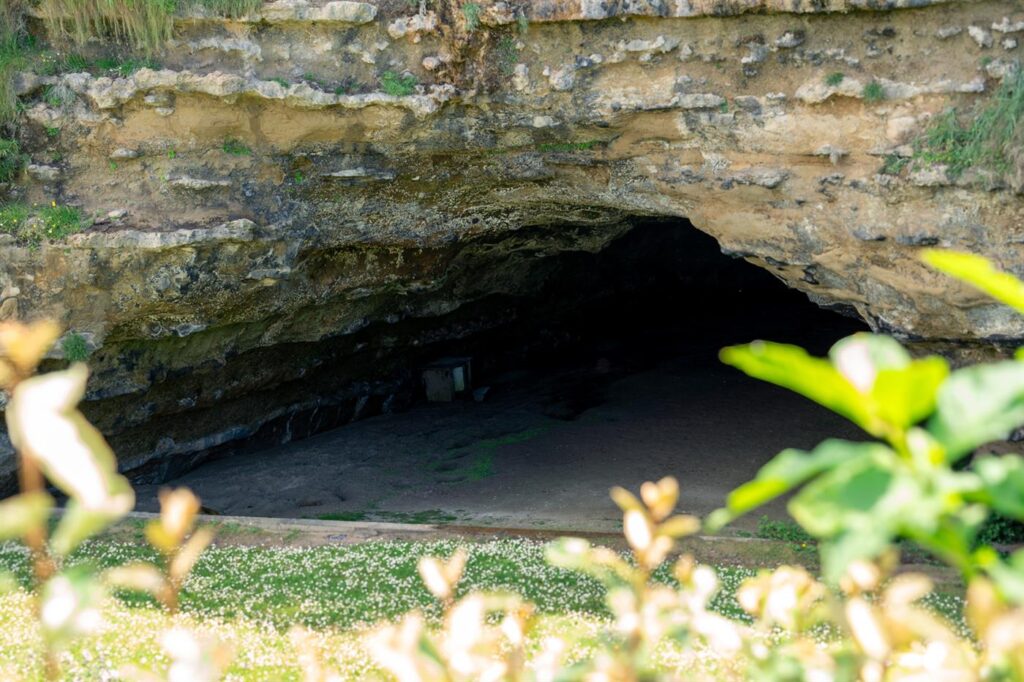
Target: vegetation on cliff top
[11,56]
[989,137]
[145,24]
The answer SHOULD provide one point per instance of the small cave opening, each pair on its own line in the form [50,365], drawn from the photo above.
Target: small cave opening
[599,368]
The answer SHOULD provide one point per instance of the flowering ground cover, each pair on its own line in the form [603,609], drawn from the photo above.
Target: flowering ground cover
[250,597]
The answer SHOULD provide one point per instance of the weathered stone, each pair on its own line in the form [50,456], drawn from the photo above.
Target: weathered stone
[199,184]
[123,154]
[43,173]
[980,36]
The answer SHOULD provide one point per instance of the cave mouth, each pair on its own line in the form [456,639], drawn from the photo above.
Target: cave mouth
[662,290]
[605,372]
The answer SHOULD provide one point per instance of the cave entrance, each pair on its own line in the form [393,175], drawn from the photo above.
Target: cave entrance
[604,372]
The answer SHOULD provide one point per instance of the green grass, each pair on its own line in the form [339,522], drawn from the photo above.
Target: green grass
[12,217]
[471,14]
[785,531]
[76,63]
[32,226]
[60,221]
[146,25]
[14,44]
[835,78]
[226,8]
[873,92]
[124,66]
[280,81]
[75,348]
[11,160]
[252,595]
[58,96]
[397,85]
[893,164]
[989,136]
[507,55]
[235,147]
[1002,530]
[475,461]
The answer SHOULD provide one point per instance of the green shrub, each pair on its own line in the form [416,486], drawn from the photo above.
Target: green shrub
[786,531]
[58,96]
[834,79]
[235,147]
[989,137]
[12,218]
[893,164]
[144,24]
[126,66]
[33,226]
[11,160]
[60,221]
[13,43]
[471,15]
[397,85]
[873,92]
[75,347]
[76,63]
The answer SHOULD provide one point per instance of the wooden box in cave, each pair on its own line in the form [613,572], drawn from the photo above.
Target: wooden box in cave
[447,379]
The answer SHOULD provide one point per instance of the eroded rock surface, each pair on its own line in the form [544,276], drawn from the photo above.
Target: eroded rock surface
[271,224]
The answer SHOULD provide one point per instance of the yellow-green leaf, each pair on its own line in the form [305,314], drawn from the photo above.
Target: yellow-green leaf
[980,273]
[815,378]
[23,512]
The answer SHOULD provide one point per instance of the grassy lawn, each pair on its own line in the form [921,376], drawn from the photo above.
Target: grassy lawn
[251,596]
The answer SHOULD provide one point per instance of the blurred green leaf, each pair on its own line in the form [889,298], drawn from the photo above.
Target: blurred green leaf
[1003,481]
[23,512]
[867,488]
[815,378]
[1008,575]
[870,353]
[45,424]
[904,397]
[787,470]
[71,604]
[977,405]
[859,507]
[980,273]
[869,379]
[839,552]
[79,522]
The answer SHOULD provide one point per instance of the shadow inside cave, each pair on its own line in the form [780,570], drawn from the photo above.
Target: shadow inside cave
[608,374]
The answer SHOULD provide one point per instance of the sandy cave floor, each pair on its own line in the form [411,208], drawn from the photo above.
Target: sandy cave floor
[540,452]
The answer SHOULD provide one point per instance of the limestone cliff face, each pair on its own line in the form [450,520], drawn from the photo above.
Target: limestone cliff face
[289,186]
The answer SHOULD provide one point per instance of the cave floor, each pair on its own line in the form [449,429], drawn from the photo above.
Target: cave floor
[540,452]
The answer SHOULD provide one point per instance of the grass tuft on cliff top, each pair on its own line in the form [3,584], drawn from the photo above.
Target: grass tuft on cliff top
[990,137]
[144,24]
[12,57]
